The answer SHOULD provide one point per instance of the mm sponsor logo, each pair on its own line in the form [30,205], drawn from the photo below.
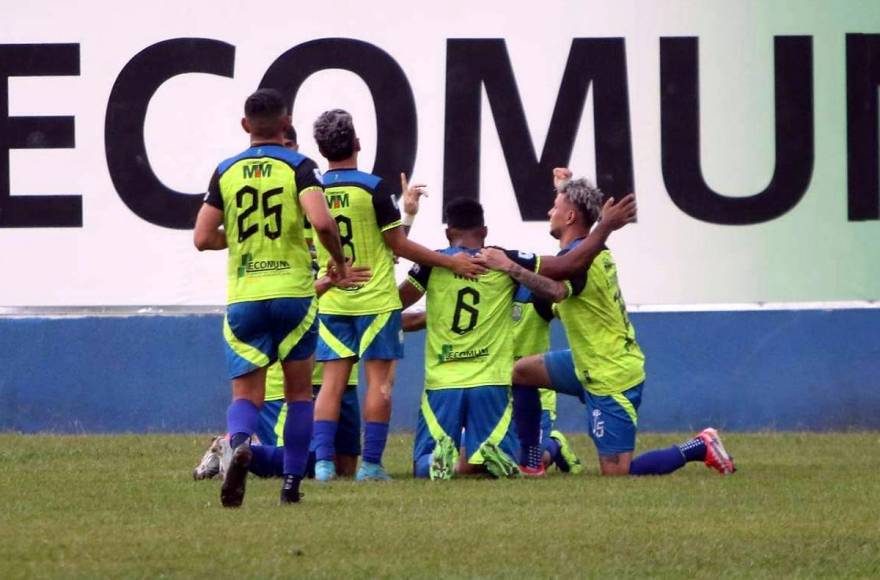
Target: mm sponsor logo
[447,354]
[337,200]
[257,170]
[249,265]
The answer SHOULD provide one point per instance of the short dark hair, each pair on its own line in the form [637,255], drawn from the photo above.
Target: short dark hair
[464,213]
[334,133]
[265,104]
[290,134]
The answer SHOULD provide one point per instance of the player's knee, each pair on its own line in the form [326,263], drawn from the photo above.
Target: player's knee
[614,465]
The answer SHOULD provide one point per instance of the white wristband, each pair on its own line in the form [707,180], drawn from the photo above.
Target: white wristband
[408,219]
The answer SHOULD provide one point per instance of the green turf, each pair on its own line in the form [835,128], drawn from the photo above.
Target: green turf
[801,505]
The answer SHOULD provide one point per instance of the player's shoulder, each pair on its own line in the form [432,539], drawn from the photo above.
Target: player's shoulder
[362,179]
[288,156]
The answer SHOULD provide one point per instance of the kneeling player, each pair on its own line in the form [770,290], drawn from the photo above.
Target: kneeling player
[468,351]
[605,366]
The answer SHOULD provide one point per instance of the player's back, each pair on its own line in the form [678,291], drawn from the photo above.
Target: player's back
[602,339]
[263,219]
[469,327]
[363,208]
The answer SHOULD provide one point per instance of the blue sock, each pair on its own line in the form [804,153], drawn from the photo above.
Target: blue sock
[693,450]
[422,467]
[657,462]
[375,437]
[267,461]
[242,418]
[325,440]
[552,447]
[527,417]
[297,436]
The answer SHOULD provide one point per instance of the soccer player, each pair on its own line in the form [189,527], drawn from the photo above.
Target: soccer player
[604,367]
[531,335]
[468,355]
[260,198]
[362,323]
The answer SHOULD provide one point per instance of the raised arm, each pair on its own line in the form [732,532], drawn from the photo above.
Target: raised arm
[614,217]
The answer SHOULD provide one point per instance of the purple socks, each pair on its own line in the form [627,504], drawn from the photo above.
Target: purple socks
[242,418]
[527,417]
[297,436]
[325,440]
[375,437]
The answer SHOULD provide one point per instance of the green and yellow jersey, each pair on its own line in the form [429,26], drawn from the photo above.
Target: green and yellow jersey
[531,335]
[469,339]
[275,379]
[258,192]
[363,208]
[603,344]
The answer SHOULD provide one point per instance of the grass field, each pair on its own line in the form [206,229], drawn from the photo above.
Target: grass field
[801,505]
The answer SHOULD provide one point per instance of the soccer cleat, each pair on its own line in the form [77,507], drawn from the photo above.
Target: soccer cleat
[568,461]
[209,466]
[498,463]
[532,471]
[290,490]
[325,470]
[372,472]
[443,459]
[716,456]
[232,490]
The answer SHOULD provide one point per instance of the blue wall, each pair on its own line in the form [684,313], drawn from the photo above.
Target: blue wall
[736,370]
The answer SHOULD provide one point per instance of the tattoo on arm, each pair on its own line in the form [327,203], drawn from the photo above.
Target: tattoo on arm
[541,286]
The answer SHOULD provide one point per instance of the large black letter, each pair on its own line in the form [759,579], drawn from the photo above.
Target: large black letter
[130,170]
[471,63]
[35,211]
[680,130]
[396,132]
[862,78]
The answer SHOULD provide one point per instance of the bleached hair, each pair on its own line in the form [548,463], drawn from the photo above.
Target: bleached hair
[585,196]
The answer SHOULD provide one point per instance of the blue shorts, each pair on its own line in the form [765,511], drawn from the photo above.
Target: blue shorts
[371,336]
[259,333]
[484,413]
[348,432]
[270,429]
[612,419]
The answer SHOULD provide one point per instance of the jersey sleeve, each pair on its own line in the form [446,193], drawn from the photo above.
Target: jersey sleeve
[213,197]
[418,276]
[527,260]
[308,233]
[543,308]
[308,177]
[576,283]
[385,206]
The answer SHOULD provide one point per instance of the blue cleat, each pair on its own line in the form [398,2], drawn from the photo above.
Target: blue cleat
[325,470]
[372,472]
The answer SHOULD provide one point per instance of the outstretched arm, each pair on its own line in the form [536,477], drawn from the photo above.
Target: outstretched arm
[460,263]
[541,286]
[614,217]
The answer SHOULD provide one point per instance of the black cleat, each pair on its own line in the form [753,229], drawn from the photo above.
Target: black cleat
[232,490]
[290,490]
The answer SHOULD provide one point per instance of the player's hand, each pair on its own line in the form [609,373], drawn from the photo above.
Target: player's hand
[357,276]
[494,259]
[337,272]
[467,266]
[411,194]
[617,215]
[561,176]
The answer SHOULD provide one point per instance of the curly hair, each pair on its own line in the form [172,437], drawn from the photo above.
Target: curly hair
[334,133]
[585,196]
